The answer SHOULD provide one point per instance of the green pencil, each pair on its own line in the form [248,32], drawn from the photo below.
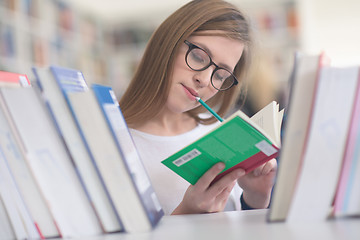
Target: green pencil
[209,109]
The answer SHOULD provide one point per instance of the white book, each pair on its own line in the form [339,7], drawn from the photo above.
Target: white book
[347,199]
[25,181]
[301,97]
[21,220]
[55,97]
[321,164]
[50,163]
[109,159]
[6,231]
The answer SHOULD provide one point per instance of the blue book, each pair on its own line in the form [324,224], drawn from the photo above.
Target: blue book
[112,112]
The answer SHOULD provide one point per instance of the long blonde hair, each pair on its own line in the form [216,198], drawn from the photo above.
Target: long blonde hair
[149,88]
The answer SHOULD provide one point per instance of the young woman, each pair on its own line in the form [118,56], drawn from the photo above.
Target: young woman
[201,50]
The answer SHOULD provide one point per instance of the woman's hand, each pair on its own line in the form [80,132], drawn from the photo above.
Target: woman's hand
[257,185]
[204,197]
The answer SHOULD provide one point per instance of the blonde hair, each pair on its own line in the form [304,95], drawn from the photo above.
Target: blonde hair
[149,88]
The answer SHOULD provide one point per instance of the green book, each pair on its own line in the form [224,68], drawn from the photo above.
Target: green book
[239,142]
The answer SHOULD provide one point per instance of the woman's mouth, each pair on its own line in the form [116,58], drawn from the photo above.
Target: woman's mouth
[191,93]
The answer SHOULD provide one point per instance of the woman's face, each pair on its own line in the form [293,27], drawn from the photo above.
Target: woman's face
[186,84]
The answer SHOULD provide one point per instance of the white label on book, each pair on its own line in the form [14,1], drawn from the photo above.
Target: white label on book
[113,96]
[155,201]
[266,148]
[23,81]
[187,157]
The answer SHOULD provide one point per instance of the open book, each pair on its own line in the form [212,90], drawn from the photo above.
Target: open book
[239,142]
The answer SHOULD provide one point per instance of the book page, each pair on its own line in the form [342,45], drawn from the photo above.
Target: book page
[280,121]
[268,118]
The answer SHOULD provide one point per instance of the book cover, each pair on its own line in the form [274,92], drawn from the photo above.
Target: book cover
[53,86]
[238,142]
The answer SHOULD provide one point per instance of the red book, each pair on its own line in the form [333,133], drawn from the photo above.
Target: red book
[14,79]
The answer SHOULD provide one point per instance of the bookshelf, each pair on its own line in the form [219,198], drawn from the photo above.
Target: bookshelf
[126,42]
[44,32]
[275,27]
[50,32]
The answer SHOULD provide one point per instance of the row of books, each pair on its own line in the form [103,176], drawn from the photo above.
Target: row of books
[69,168]
[68,165]
[319,162]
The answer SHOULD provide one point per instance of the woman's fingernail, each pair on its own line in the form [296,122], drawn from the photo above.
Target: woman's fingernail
[221,165]
[240,173]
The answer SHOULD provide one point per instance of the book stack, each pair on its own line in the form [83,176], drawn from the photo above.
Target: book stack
[68,165]
[318,170]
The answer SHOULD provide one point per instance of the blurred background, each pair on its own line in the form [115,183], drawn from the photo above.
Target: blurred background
[105,39]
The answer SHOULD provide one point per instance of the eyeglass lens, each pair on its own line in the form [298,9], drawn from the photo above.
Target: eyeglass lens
[199,60]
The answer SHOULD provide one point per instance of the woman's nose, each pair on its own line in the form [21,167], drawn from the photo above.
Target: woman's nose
[204,77]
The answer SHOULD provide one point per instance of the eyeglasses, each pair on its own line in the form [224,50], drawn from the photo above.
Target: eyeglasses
[198,59]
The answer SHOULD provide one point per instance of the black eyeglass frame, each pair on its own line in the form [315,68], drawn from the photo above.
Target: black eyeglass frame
[193,46]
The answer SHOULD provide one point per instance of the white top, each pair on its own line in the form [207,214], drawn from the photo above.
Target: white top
[170,187]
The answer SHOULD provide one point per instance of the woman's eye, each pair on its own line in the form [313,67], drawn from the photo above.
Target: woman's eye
[219,76]
[199,57]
